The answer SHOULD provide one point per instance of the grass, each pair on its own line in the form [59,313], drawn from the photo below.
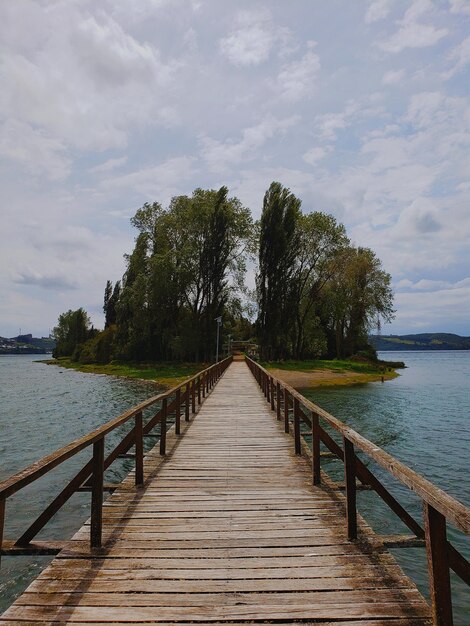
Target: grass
[337,372]
[338,365]
[166,374]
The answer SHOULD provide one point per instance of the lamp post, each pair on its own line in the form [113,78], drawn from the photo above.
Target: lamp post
[219,324]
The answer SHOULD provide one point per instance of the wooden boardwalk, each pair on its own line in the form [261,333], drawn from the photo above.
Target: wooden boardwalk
[228,528]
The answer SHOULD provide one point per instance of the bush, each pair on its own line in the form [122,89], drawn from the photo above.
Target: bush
[98,349]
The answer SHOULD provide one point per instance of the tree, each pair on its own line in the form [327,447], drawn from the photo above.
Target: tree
[317,261]
[187,261]
[279,245]
[358,298]
[72,330]
[111,298]
[132,306]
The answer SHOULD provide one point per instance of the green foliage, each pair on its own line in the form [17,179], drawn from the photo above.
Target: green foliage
[111,299]
[316,294]
[167,374]
[188,262]
[355,300]
[72,330]
[336,365]
[279,246]
[98,349]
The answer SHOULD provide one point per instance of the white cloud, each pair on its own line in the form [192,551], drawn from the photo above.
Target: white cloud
[249,46]
[460,6]
[377,10]
[461,57]
[54,282]
[252,41]
[426,284]
[297,78]
[40,153]
[83,79]
[329,123]
[420,219]
[411,33]
[314,155]
[432,309]
[219,155]
[434,110]
[161,181]
[110,164]
[393,77]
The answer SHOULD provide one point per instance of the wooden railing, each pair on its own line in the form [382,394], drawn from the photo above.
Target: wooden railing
[438,507]
[179,400]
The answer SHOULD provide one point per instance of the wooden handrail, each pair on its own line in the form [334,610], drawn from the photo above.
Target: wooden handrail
[439,507]
[34,471]
[93,470]
[450,507]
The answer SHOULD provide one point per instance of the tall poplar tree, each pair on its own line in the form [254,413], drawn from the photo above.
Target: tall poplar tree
[279,243]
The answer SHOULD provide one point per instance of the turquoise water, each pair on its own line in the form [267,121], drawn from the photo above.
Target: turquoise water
[43,407]
[423,419]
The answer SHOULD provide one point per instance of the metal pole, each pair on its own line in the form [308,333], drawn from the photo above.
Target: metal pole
[219,324]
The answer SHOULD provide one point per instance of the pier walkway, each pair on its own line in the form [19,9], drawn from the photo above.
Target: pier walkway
[227,528]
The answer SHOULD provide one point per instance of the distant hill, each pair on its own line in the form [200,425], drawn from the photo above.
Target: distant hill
[423,341]
[26,344]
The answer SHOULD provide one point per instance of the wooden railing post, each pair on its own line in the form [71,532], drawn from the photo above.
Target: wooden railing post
[96,525]
[350,483]
[204,382]
[2,523]
[271,386]
[438,566]
[193,396]
[186,402]
[163,427]
[278,398]
[298,449]
[139,449]
[268,388]
[178,412]
[316,469]
[199,389]
[286,411]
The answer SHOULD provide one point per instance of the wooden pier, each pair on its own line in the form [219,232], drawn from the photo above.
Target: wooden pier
[226,525]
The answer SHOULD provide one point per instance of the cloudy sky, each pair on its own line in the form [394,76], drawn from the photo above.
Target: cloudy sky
[361,108]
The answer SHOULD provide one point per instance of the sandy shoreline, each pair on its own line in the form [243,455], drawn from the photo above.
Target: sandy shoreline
[327,378]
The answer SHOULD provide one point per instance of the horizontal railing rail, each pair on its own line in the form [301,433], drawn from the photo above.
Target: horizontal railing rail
[184,399]
[438,506]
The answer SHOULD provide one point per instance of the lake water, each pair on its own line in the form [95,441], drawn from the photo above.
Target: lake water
[422,418]
[43,407]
